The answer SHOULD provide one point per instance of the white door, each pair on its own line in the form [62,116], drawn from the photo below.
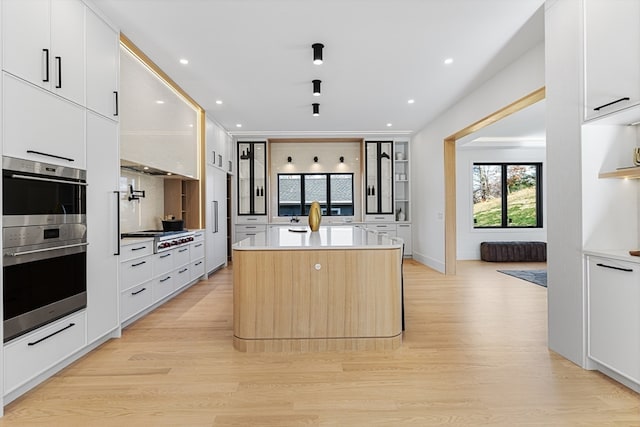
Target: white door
[102,67]
[216,238]
[103,173]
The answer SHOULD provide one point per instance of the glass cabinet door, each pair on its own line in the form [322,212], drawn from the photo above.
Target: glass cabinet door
[379,173]
[252,192]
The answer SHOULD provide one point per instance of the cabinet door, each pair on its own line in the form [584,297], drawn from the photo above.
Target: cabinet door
[379,177]
[26,48]
[67,49]
[404,232]
[103,169]
[216,241]
[612,55]
[36,120]
[614,315]
[102,67]
[252,182]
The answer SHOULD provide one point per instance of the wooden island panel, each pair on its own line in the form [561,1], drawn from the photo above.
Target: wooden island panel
[283,303]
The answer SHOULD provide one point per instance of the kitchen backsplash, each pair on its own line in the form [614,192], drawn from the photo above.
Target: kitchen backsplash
[145,213]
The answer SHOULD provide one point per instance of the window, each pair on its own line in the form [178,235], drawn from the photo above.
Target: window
[507,195]
[334,191]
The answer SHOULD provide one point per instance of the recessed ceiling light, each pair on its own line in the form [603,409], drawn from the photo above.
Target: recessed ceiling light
[448,61]
[146,168]
[219,102]
[238,125]
[411,101]
[159,102]
[389,125]
[184,61]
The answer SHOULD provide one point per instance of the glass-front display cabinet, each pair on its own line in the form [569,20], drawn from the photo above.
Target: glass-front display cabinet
[252,183]
[379,180]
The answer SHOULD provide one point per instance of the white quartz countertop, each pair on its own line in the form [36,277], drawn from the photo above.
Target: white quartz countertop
[328,237]
[134,240]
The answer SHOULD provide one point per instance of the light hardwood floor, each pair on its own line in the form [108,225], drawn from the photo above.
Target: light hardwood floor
[474,353]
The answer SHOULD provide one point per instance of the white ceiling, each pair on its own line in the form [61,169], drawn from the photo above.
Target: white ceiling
[255,56]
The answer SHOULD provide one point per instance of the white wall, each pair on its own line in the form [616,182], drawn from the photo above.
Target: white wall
[468,238]
[146,213]
[520,78]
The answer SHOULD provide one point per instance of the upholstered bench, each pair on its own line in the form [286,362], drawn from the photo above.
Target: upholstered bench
[513,251]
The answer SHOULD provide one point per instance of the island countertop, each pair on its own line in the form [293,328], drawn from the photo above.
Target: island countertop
[327,237]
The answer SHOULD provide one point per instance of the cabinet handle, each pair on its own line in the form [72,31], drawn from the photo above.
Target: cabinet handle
[164,256]
[198,263]
[198,245]
[614,268]
[115,94]
[45,65]
[183,250]
[59,62]
[626,98]
[165,279]
[51,334]
[69,159]
[117,193]
[138,264]
[182,271]
[137,292]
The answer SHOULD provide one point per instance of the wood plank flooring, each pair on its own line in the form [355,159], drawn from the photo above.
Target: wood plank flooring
[474,353]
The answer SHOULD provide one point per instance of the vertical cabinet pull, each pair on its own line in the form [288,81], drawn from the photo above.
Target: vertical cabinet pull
[59,64]
[117,194]
[45,65]
[115,95]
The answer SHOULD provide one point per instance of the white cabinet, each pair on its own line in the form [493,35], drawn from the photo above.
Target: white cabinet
[613,303]
[403,231]
[44,44]
[103,173]
[102,66]
[40,126]
[612,56]
[216,210]
[388,229]
[247,230]
[402,193]
[30,355]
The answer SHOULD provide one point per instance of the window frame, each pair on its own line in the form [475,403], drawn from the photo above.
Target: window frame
[327,176]
[504,196]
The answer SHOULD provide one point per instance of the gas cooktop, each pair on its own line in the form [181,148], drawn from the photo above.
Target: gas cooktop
[164,240]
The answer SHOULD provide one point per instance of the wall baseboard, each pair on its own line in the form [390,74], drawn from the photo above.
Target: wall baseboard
[437,265]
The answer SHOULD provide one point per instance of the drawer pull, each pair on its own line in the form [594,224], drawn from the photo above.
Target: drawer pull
[138,264]
[51,334]
[198,263]
[137,249]
[183,250]
[614,268]
[198,245]
[182,271]
[626,98]
[165,255]
[165,279]
[138,292]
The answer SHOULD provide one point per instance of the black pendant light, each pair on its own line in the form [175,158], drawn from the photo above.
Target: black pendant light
[316,109]
[317,53]
[316,87]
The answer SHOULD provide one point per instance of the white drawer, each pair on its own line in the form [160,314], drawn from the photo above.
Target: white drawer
[197,269]
[135,271]
[135,300]
[135,250]
[197,251]
[162,286]
[30,355]
[199,236]
[163,262]
[250,228]
[182,276]
[379,218]
[252,219]
[388,229]
[181,256]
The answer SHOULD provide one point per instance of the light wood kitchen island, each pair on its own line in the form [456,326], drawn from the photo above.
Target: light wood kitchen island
[336,289]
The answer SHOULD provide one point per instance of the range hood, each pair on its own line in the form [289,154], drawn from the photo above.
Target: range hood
[149,170]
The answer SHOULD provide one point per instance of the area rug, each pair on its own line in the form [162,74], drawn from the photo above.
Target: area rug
[539,277]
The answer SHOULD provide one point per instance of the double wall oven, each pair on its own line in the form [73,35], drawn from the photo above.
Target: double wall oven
[44,243]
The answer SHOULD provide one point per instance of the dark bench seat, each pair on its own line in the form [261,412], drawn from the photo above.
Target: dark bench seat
[513,251]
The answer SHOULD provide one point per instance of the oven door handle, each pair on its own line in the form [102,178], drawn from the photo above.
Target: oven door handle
[37,251]
[36,178]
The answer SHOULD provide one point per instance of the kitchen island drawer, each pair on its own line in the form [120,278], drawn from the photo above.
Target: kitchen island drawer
[135,271]
[30,355]
[134,300]
[136,249]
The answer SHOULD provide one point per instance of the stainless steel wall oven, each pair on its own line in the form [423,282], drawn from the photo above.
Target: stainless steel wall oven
[44,243]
